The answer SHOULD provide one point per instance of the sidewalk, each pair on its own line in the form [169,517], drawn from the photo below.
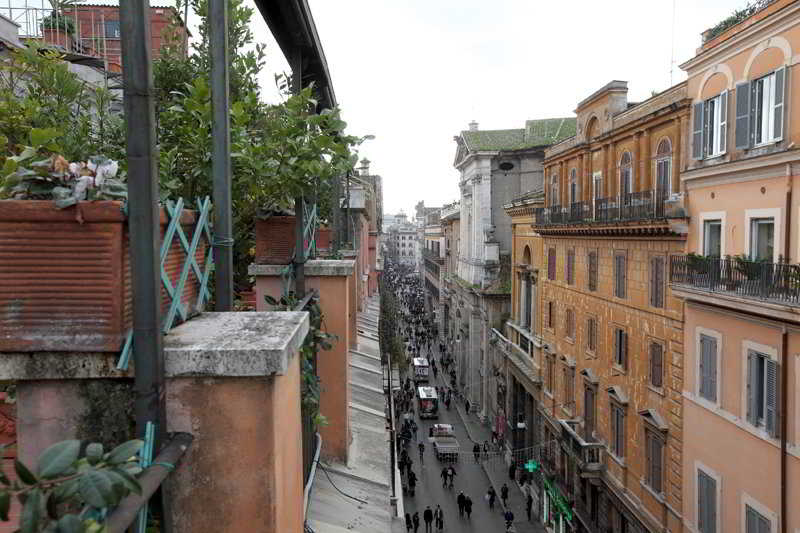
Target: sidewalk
[498,474]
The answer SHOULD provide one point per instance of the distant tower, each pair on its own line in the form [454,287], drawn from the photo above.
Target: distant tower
[473,126]
[363,170]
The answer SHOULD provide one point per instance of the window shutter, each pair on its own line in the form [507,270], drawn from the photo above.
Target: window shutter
[653,296]
[742,133]
[706,503]
[780,85]
[656,364]
[616,345]
[624,348]
[751,389]
[702,503]
[660,285]
[623,276]
[751,520]
[697,131]
[658,451]
[723,122]
[771,397]
[711,369]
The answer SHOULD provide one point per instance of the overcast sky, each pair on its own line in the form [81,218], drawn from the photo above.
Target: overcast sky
[415,72]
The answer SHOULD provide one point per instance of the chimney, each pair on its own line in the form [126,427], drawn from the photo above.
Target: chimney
[473,126]
[363,170]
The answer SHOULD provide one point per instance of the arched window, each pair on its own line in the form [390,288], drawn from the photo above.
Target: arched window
[573,186]
[625,174]
[526,294]
[554,199]
[591,128]
[664,168]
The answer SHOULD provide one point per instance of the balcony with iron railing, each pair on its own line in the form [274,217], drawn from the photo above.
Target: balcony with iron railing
[433,255]
[588,453]
[626,209]
[738,278]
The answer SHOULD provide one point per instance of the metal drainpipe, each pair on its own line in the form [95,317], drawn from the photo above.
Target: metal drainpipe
[784,403]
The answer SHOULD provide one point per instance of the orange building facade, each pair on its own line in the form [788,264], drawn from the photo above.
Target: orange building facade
[741,464]
[609,346]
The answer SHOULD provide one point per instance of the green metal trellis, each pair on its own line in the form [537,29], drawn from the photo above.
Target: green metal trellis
[309,247]
[178,310]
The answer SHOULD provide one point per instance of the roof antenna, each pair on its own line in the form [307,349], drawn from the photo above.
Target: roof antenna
[672,48]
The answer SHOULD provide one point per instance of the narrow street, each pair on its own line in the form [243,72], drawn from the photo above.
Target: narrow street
[470,478]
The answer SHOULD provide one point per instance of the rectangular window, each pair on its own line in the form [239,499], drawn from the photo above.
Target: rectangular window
[762,392]
[550,384]
[617,430]
[527,301]
[763,102]
[551,264]
[591,334]
[621,348]
[570,324]
[570,274]
[548,320]
[657,285]
[762,239]
[715,113]
[591,261]
[706,503]
[588,411]
[664,176]
[655,460]
[708,368]
[112,29]
[656,364]
[712,238]
[569,387]
[620,274]
[755,522]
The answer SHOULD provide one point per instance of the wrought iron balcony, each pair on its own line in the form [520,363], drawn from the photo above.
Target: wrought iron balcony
[630,207]
[432,255]
[589,454]
[756,280]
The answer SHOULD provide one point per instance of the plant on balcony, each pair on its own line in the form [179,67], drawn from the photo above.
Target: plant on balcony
[60,22]
[39,172]
[735,18]
[750,269]
[698,264]
[71,486]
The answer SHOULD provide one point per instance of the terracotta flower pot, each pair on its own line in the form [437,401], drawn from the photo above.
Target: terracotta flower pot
[65,285]
[275,240]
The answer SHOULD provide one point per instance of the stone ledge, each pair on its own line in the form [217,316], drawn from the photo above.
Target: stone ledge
[24,366]
[235,344]
[315,267]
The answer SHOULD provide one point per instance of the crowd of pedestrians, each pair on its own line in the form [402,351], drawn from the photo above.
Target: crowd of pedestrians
[420,337]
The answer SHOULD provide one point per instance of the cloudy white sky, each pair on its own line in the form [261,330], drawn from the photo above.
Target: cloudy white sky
[415,72]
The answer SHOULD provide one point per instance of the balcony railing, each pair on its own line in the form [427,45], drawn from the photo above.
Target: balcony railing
[643,205]
[775,282]
[589,453]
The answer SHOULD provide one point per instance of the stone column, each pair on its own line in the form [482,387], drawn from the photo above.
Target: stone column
[333,280]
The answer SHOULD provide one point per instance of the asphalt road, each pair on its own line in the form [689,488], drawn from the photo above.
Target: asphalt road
[470,478]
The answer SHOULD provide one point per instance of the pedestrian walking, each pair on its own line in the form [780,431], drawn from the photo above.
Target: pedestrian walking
[415,519]
[509,516]
[451,473]
[412,483]
[421,452]
[468,506]
[438,517]
[428,517]
[467,406]
[486,449]
[414,428]
[408,523]
[529,504]
[491,496]
[512,471]
[460,501]
[504,494]
[476,451]
[444,475]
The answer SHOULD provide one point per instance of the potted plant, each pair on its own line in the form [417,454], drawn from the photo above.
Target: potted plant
[275,237]
[65,270]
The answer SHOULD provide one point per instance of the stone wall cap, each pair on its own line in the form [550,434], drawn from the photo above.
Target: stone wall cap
[314,267]
[235,344]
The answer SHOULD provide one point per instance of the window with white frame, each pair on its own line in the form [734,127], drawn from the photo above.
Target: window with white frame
[712,238]
[760,110]
[706,503]
[762,239]
[755,522]
[664,168]
[625,174]
[573,186]
[762,391]
[710,127]
[707,368]
[597,185]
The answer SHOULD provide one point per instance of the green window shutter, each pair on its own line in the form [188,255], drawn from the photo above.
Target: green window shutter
[780,91]
[771,397]
[706,503]
[697,131]
[742,133]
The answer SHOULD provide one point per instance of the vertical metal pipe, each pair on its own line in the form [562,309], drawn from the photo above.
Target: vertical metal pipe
[296,64]
[143,217]
[221,162]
